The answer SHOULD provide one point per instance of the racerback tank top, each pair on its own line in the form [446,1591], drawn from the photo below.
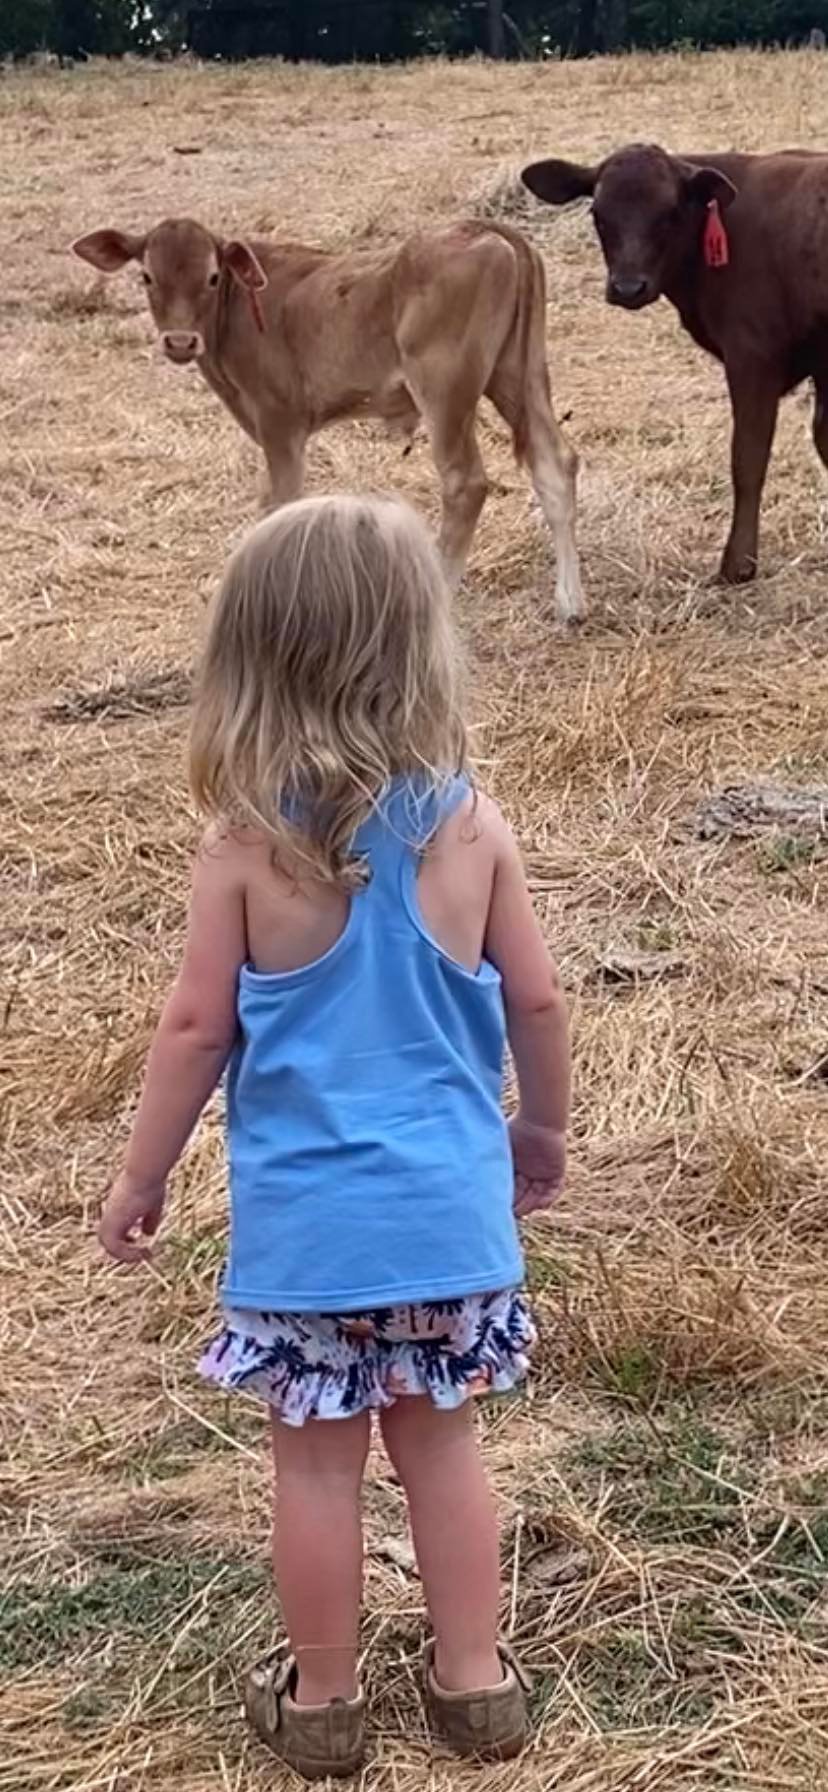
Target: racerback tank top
[369,1156]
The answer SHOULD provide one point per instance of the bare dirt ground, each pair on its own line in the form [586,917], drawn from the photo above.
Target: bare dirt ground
[665,1487]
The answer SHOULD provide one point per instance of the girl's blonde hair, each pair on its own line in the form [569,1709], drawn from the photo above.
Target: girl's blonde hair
[330,667]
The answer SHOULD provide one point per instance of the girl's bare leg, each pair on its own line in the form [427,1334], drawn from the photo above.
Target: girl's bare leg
[454,1528]
[317,1549]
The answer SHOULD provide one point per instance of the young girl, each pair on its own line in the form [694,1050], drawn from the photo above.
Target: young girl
[360,941]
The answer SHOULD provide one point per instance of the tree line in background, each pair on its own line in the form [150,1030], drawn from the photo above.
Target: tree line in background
[389,30]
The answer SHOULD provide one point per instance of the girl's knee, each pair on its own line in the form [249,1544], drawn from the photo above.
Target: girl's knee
[414,1429]
[336,1449]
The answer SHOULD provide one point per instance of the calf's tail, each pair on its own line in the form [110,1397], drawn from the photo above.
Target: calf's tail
[530,338]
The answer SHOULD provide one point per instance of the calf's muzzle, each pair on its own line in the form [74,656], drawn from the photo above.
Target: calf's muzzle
[182,345]
[632,293]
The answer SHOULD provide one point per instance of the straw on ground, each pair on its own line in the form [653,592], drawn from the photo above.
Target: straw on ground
[665,1490]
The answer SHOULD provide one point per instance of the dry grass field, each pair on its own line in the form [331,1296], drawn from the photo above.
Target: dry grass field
[664,1487]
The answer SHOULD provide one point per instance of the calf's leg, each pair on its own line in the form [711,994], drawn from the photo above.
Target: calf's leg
[463,484]
[446,380]
[553,466]
[525,403]
[464,487]
[754,396]
[233,398]
[284,452]
[821,418]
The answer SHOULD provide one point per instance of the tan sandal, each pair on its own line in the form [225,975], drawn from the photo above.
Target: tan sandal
[315,1740]
[492,1724]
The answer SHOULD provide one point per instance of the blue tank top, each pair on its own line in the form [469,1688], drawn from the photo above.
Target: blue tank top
[369,1156]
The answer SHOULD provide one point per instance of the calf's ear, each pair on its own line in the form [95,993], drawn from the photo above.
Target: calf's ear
[704,184]
[559,182]
[109,250]
[244,266]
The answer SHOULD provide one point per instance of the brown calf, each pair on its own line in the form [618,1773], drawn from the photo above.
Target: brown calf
[739,244]
[293,338]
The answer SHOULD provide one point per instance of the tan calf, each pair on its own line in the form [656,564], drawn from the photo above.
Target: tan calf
[293,338]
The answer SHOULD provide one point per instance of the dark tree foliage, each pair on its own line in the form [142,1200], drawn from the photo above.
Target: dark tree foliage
[391,30]
[71,28]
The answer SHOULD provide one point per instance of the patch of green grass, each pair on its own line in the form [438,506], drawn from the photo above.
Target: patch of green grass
[197,1253]
[656,936]
[545,1271]
[785,853]
[699,1624]
[625,1686]
[170,1452]
[86,1708]
[635,1373]
[686,1489]
[799,1410]
[809,1490]
[689,1487]
[41,1625]
[794,1567]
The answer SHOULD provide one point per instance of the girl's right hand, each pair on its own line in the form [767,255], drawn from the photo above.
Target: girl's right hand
[539,1157]
[130,1207]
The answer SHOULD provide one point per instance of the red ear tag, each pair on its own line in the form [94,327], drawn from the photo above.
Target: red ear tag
[256,309]
[716,247]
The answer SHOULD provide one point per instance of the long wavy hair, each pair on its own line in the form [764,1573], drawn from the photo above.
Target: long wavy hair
[330,668]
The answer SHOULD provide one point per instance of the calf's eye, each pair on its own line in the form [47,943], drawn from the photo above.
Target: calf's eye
[214,279]
[147,278]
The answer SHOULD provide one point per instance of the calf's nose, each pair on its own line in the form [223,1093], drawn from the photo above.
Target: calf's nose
[626,291]
[181,345]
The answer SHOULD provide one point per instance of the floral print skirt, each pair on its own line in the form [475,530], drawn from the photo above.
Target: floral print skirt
[332,1365]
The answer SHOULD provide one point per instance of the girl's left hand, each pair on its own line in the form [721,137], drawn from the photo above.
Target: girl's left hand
[533,1195]
[131,1207]
[539,1157]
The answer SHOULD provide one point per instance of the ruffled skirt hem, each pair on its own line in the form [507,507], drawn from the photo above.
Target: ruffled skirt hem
[322,1367]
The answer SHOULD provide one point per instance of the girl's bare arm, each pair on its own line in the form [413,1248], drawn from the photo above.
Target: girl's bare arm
[537,1024]
[191,1047]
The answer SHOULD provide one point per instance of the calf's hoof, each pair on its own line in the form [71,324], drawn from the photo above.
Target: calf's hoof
[569,611]
[737,569]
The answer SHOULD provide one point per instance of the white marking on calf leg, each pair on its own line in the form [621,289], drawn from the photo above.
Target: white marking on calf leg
[553,467]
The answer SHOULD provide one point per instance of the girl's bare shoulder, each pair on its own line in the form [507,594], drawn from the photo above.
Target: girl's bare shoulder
[477,822]
[238,853]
